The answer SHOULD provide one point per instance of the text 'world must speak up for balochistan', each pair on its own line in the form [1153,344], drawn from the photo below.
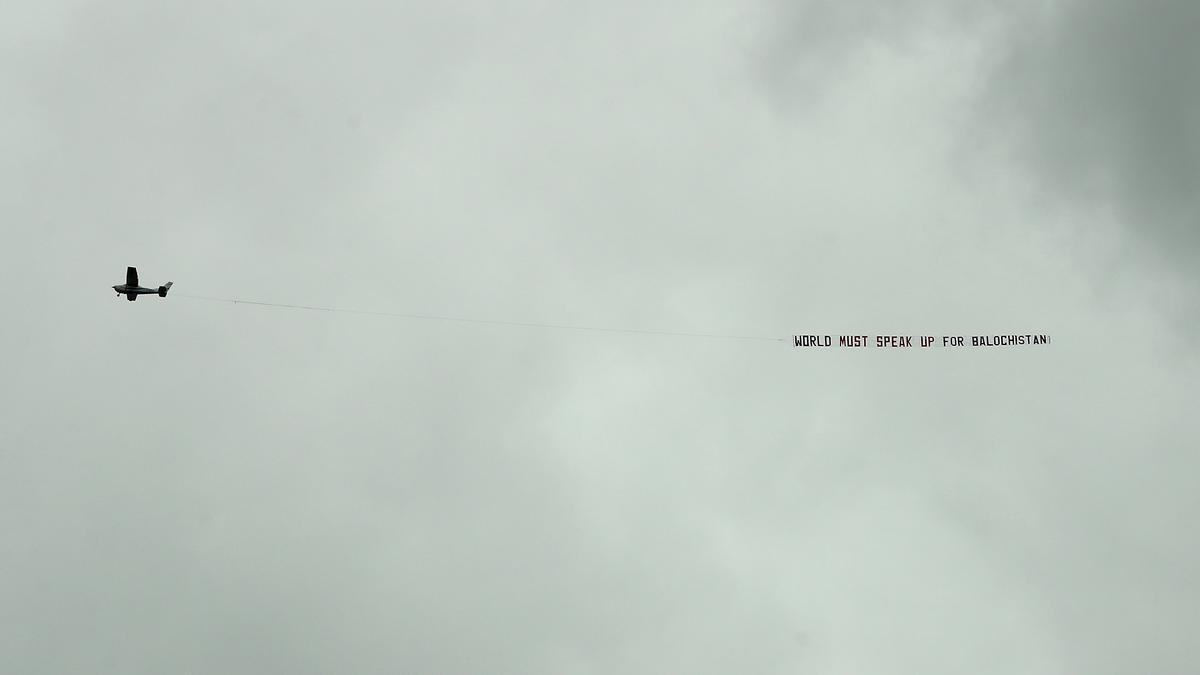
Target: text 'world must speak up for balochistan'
[888,341]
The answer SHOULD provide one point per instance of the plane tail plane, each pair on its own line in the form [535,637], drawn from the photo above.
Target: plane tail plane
[162,290]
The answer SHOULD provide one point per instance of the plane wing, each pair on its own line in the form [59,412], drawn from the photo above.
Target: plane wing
[131,277]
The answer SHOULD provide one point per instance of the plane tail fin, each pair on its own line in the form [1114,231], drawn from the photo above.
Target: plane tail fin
[162,290]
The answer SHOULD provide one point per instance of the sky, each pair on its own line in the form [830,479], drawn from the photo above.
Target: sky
[199,486]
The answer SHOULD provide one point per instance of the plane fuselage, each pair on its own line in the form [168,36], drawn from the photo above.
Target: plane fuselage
[126,289]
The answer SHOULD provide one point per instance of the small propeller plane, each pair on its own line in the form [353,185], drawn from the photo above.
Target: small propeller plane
[131,289]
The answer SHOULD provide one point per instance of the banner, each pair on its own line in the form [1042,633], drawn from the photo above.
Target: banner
[919,341]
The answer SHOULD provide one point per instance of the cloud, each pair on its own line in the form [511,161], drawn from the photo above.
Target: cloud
[1099,99]
[1106,102]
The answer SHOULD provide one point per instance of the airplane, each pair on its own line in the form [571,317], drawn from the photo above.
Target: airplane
[131,289]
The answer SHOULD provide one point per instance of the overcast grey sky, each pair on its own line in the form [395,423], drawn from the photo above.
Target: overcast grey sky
[189,486]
